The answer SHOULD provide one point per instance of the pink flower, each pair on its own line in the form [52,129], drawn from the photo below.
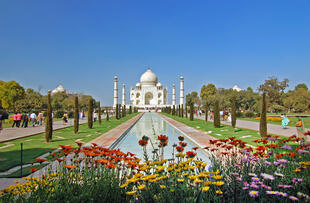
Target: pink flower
[267,176]
[282,161]
[268,163]
[293,198]
[245,188]
[254,186]
[256,179]
[253,193]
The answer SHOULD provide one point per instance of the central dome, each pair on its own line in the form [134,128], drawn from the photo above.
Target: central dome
[148,78]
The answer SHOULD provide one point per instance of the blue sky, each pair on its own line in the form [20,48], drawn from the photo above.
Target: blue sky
[83,44]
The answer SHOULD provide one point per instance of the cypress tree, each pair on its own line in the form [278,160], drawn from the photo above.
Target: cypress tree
[191,113]
[116,111]
[76,114]
[120,111]
[49,119]
[130,110]
[233,112]
[182,111]
[90,113]
[107,112]
[99,113]
[173,110]
[124,110]
[217,118]
[206,113]
[263,118]
[186,110]
[179,110]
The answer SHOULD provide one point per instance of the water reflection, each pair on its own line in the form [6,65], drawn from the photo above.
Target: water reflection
[152,125]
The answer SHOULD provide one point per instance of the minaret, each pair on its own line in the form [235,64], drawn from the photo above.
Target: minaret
[181,90]
[115,91]
[173,94]
[123,96]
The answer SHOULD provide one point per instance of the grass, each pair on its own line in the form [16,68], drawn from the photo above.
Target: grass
[224,131]
[292,123]
[35,146]
[26,171]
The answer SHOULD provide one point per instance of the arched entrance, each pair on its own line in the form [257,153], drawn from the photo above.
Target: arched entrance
[148,97]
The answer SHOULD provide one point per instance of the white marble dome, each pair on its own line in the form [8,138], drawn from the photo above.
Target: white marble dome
[59,89]
[148,78]
[138,84]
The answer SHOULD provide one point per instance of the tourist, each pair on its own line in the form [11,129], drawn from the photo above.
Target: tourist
[95,116]
[81,115]
[284,121]
[65,118]
[300,128]
[25,118]
[14,120]
[40,118]
[33,117]
[19,119]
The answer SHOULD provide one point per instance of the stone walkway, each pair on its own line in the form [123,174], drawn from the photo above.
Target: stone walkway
[252,125]
[8,134]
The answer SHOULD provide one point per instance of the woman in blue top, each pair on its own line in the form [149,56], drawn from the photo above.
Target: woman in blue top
[285,121]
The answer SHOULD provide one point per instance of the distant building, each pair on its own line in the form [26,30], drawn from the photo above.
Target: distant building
[238,89]
[59,89]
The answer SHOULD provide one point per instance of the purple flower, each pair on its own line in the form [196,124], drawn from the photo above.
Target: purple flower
[272,139]
[269,188]
[284,186]
[254,186]
[238,179]
[253,193]
[268,163]
[276,163]
[281,161]
[303,151]
[287,147]
[271,192]
[235,174]
[278,174]
[245,188]
[293,198]
[255,179]
[267,176]
[245,183]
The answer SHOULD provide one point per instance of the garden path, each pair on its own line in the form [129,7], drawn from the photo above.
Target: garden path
[271,128]
[8,134]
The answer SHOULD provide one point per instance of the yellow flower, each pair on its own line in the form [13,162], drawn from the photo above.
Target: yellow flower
[138,175]
[218,183]
[218,177]
[205,189]
[180,154]
[185,174]
[192,177]
[207,183]
[178,170]
[124,185]
[141,187]
[160,168]
[297,170]
[219,192]
[305,163]
[162,186]
[198,181]
[131,192]
[181,180]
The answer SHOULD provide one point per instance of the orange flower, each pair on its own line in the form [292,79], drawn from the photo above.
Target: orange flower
[143,142]
[79,143]
[66,147]
[41,160]
[70,166]
[162,138]
[183,144]
[279,156]
[59,160]
[33,170]
[179,148]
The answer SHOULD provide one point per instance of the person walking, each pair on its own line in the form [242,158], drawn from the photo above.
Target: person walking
[19,119]
[33,117]
[284,121]
[25,119]
[40,118]
[95,116]
[14,120]
[300,129]
[65,118]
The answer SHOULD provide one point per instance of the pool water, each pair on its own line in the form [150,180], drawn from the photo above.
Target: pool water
[152,125]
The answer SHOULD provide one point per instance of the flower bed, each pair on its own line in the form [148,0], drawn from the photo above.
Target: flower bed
[275,170]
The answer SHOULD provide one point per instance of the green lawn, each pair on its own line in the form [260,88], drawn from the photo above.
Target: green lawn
[224,131]
[35,146]
[26,171]
[293,121]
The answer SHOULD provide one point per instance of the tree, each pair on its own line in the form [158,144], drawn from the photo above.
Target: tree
[217,119]
[263,118]
[124,111]
[116,112]
[301,85]
[233,111]
[173,110]
[99,113]
[90,113]
[192,98]
[76,114]
[182,111]
[275,91]
[49,119]
[186,110]
[297,100]
[191,113]
[206,113]
[10,93]
[107,112]
[130,109]
[32,101]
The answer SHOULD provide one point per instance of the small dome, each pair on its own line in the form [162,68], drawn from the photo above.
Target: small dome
[159,84]
[238,89]
[148,78]
[60,88]
[138,84]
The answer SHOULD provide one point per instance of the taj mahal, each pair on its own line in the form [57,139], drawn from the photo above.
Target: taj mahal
[148,93]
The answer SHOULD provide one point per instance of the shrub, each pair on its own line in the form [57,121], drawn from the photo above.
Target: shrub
[249,114]
[239,114]
[5,114]
[59,114]
[71,114]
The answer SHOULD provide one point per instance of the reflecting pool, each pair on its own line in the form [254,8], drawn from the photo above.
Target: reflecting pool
[152,125]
